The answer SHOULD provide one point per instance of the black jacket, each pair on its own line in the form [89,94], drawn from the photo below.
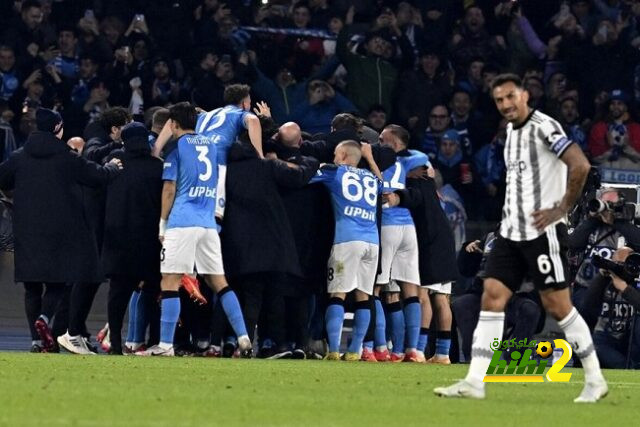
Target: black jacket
[256,235]
[436,245]
[53,240]
[131,247]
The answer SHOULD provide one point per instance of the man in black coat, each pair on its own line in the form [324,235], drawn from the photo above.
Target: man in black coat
[131,249]
[257,240]
[103,137]
[54,243]
[437,256]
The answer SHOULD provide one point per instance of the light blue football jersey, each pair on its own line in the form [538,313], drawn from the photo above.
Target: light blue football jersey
[395,178]
[222,126]
[192,164]
[354,196]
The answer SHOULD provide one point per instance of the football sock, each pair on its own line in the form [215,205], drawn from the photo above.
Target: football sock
[443,343]
[423,340]
[490,326]
[396,317]
[412,319]
[231,307]
[380,339]
[170,307]
[131,324]
[578,336]
[368,344]
[141,319]
[334,318]
[361,319]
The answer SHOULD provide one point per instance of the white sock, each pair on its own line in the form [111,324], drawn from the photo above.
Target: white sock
[579,338]
[490,327]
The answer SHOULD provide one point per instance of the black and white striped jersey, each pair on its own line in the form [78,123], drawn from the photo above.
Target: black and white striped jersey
[536,177]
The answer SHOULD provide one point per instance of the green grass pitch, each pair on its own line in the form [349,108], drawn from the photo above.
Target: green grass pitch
[66,390]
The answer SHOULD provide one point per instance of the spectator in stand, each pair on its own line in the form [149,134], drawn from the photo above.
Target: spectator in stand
[473,82]
[569,118]
[373,75]
[208,92]
[535,87]
[422,89]
[27,36]
[465,119]
[302,52]
[472,41]
[377,118]
[439,120]
[457,171]
[66,61]
[9,76]
[489,162]
[314,115]
[161,89]
[615,142]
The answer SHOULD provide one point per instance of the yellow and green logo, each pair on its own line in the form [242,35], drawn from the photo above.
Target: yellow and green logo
[521,368]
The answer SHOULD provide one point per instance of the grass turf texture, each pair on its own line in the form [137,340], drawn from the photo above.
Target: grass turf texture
[39,389]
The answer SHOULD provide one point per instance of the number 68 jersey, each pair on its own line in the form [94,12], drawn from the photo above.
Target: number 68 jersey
[192,165]
[354,197]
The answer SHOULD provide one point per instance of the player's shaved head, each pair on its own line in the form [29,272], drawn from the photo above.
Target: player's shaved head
[290,134]
[348,152]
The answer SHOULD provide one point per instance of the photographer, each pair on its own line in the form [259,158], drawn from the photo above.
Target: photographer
[612,303]
[601,233]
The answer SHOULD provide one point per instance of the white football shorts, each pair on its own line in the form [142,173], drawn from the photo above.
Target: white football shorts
[185,247]
[352,265]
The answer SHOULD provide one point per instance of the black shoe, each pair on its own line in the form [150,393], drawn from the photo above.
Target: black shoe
[36,348]
[92,347]
[246,354]
[266,352]
[228,349]
[298,354]
[115,351]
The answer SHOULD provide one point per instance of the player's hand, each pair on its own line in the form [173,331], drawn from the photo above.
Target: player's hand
[419,173]
[116,162]
[545,217]
[473,247]
[366,151]
[262,109]
[618,283]
[391,199]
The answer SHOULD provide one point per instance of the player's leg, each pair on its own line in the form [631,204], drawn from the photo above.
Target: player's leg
[505,271]
[208,261]
[365,277]
[177,257]
[390,239]
[361,319]
[547,262]
[442,309]
[558,304]
[425,323]
[395,321]
[341,279]
[405,270]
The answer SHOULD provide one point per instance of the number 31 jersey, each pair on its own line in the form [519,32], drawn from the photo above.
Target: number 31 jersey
[395,178]
[192,165]
[354,196]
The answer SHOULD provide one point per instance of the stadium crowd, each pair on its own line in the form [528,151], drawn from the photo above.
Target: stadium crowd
[412,78]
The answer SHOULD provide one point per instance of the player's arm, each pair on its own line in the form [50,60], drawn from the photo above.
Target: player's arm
[255,133]
[168,197]
[578,166]
[367,154]
[163,137]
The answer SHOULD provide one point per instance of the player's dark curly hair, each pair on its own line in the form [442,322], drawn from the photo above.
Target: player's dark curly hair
[184,114]
[234,94]
[501,79]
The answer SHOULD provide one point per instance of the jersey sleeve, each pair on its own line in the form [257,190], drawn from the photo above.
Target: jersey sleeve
[170,171]
[416,160]
[324,174]
[243,118]
[554,137]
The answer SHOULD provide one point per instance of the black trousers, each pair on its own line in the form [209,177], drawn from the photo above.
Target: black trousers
[258,292]
[120,290]
[36,303]
[82,296]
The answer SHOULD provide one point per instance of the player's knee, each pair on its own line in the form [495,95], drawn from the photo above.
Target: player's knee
[391,297]
[495,295]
